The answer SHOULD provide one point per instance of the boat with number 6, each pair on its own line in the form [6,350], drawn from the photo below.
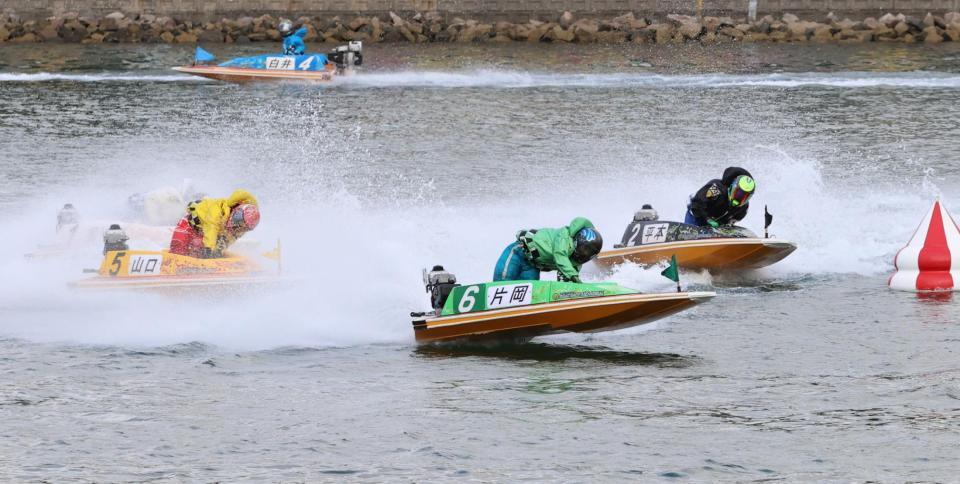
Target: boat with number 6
[521,310]
[648,241]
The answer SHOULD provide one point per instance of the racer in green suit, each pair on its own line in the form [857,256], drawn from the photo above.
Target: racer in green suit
[563,249]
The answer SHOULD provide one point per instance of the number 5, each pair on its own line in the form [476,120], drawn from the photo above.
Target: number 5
[115,264]
[467,301]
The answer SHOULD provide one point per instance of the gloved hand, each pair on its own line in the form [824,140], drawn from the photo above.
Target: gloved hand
[563,278]
[208,253]
[713,223]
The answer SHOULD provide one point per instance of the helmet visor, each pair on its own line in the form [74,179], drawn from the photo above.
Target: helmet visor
[741,191]
[582,255]
[237,221]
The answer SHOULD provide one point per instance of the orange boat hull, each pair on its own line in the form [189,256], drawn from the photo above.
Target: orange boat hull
[579,316]
[241,75]
[709,254]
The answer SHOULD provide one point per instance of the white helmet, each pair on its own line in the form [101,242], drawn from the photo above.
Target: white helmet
[285,28]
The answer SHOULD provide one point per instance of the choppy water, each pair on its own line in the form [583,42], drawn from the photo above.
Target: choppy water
[809,370]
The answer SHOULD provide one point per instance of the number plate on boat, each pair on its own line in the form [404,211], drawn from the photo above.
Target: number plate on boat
[281,63]
[509,295]
[145,265]
[654,233]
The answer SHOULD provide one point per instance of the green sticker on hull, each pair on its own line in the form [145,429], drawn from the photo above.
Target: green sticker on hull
[505,294]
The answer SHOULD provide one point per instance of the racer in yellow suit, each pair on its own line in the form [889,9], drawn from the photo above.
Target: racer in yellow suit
[213,224]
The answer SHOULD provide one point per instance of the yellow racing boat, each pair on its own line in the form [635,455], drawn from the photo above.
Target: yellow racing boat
[141,269]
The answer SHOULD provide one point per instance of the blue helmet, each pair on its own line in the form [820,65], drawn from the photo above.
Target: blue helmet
[587,244]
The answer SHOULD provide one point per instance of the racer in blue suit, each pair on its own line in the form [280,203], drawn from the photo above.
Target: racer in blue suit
[292,41]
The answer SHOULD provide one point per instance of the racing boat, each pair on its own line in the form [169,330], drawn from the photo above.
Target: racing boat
[142,269]
[123,268]
[310,68]
[521,310]
[648,241]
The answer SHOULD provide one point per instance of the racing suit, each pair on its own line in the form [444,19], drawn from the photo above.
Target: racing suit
[541,250]
[202,231]
[711,202]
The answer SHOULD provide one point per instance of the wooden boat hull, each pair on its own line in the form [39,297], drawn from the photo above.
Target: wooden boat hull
[585,315]
[710,254]
[241,75]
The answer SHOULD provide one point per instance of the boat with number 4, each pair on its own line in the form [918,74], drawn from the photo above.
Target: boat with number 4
[649,241]
[309,68]
[521,310]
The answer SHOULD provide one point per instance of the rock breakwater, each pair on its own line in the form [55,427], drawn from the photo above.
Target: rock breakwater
[434,27]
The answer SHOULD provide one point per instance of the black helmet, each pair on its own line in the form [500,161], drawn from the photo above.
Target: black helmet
[588,243]
[285,28]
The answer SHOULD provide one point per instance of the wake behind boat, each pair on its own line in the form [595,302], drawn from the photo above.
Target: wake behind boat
[309,68]
[521,310]
[648,241]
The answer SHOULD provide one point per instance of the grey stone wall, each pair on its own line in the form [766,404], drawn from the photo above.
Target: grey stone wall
[511,10]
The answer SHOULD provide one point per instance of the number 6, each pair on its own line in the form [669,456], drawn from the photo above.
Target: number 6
[467,301]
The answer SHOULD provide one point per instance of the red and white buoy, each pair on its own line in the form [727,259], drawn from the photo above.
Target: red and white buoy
[931,260]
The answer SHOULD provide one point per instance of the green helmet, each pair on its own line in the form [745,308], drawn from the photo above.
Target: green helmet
[741,190]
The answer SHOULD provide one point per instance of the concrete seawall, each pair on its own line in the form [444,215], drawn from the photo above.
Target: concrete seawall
[487,10]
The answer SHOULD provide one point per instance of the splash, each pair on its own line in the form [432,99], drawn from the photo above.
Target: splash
[518,80]
[119,76]
[504,79]
[357,228]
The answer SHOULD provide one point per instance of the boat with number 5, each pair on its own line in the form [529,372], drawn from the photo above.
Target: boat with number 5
[141,269]
[521,310]
[648,241]
[309,68]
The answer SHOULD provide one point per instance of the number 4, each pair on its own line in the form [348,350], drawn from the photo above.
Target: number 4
[305,65]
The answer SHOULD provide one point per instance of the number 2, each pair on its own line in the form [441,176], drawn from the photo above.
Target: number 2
[635,232]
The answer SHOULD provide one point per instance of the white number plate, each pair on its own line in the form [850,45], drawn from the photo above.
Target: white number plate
[281,63]
[145,265]
[509,295]
[653,233]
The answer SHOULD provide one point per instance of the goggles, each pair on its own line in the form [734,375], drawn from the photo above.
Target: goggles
[741,191]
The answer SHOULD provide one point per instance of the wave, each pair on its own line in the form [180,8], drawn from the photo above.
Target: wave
[98,77]
[517,79]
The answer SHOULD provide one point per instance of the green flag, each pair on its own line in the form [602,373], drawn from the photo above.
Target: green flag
[671,271]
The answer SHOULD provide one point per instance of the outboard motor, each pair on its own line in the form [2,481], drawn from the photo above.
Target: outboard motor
[68,217]
[347,56]
[439,283]
[645,214]
[115,239]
